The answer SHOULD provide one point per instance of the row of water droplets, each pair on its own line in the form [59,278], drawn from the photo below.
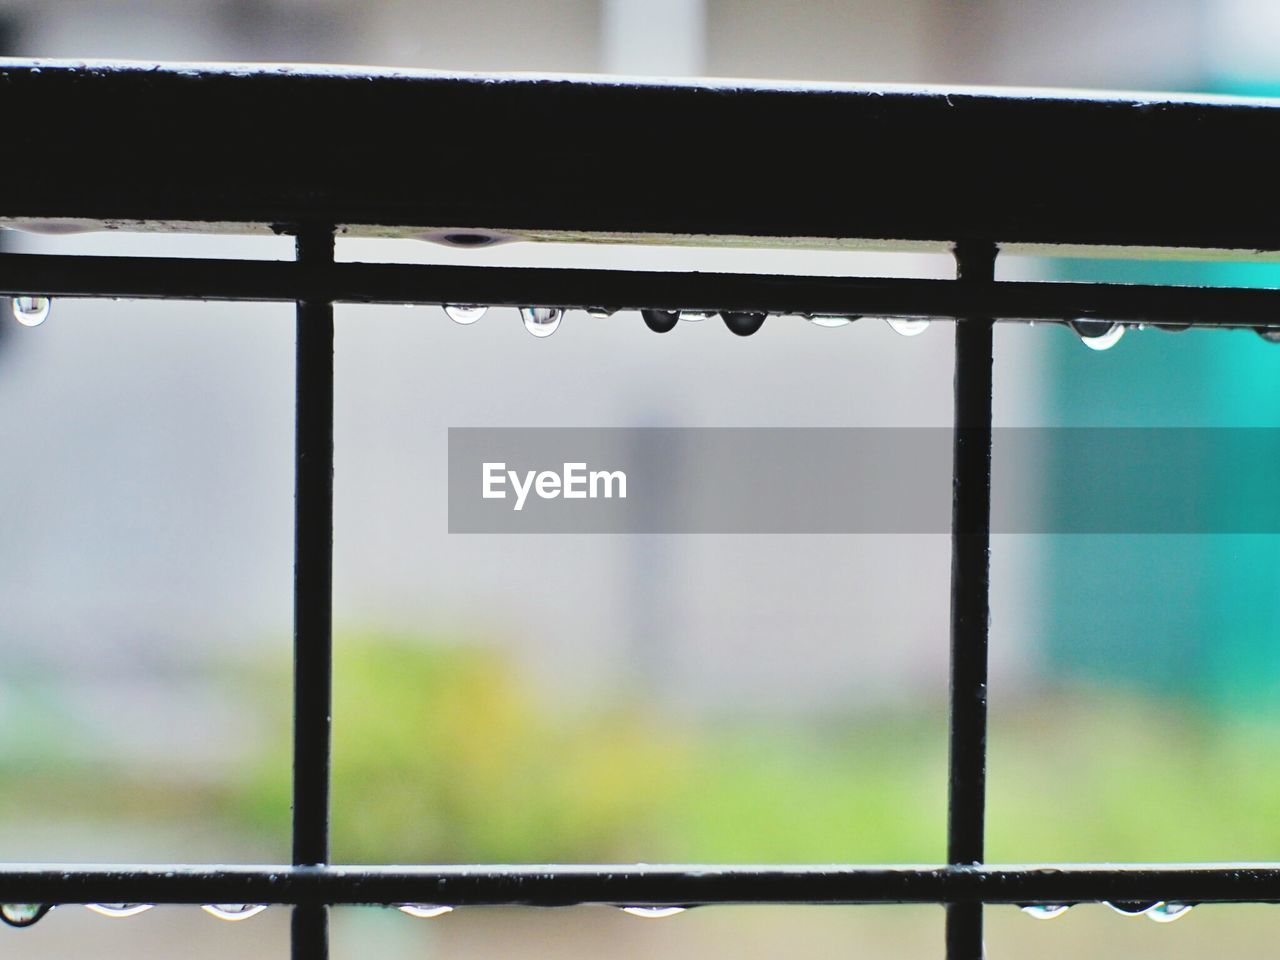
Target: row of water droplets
[1161,911]
[544,321]
[31,311]
[26,914]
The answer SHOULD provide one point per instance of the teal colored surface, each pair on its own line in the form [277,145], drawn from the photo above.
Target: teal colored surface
[1195,617]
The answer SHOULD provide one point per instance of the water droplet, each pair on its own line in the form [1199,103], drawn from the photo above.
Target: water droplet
[30,311]
[830,320]
[1131,908]
[744,324]
[234,911]
[119,909]
[541,321]
[660,321]
[425,910]
[1098,334]
[22,914]
[471,239]
[1045,911]
[1167,912]
[466,238]
[464,313]
[653,913]
[601,313]
[696,316]
[1269,334]
[908,326]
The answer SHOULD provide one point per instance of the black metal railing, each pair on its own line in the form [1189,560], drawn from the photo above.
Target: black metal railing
[191,178]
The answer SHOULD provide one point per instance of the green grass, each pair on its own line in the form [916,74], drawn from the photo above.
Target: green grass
[445,752]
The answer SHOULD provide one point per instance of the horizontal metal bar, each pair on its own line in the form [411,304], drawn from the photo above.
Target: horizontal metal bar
[557,885]
[279,280]
[522,153]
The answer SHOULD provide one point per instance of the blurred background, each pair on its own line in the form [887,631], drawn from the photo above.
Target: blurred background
[629,698]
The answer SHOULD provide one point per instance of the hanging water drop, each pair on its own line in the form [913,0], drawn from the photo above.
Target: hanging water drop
[30,311]
[653,913]
[744,324]
[696,316]
[1166,911]
[425,911]
[601,313]
[908,326]
[455,238]
[1098,334]
[1045,911]
[1269,334]
[119,909]
[23,914]
[660,321]
[541,321]
[830,320]
[1131,908]
[234,911]
[464,313]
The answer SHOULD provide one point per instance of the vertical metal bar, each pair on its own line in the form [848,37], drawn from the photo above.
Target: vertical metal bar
[312,587]
[970,597]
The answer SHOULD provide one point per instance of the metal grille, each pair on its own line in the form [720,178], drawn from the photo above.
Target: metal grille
[1205,183]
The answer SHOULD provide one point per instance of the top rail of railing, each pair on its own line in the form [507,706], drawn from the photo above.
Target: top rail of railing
[477,158]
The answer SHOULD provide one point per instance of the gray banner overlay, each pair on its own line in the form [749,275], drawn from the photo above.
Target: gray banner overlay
[859,480]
